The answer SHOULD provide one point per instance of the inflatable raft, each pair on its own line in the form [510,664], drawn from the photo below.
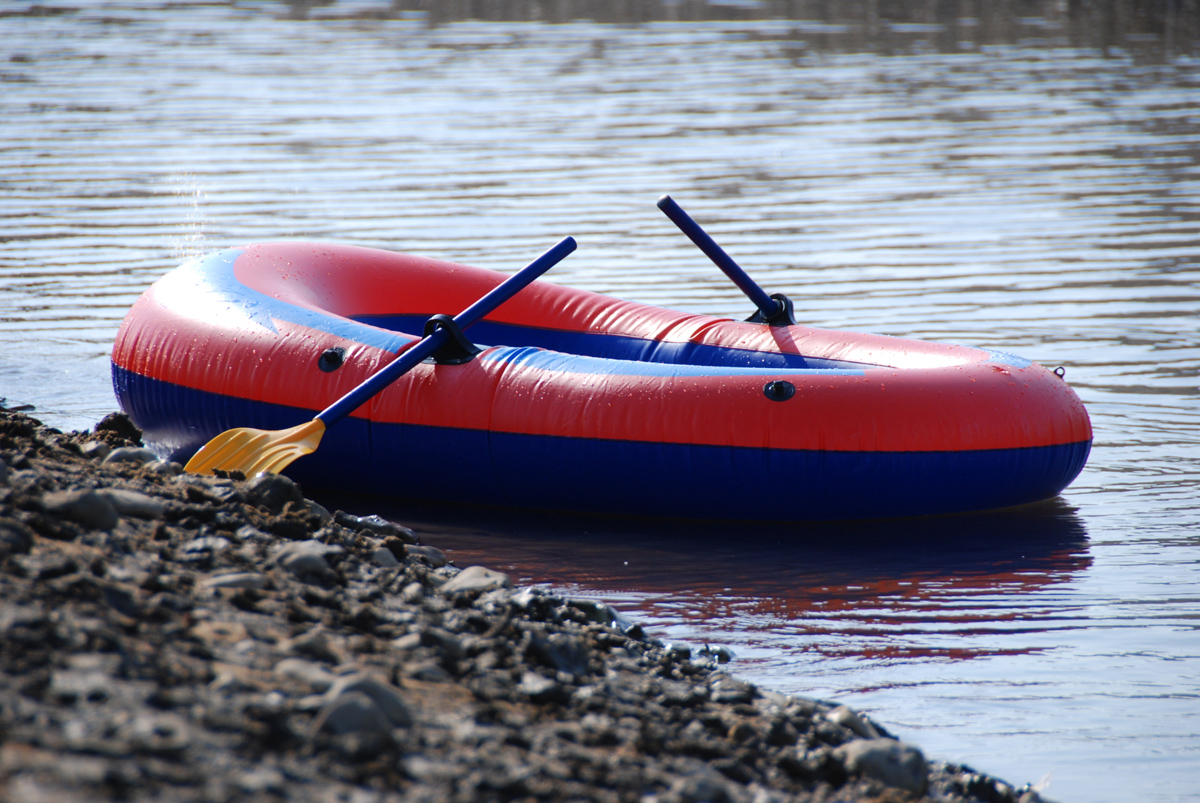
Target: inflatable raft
[583,402]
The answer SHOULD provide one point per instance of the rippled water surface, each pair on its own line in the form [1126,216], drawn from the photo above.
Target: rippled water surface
[1004,182]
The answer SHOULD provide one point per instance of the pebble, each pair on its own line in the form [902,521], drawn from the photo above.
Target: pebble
[848,718]
[235,580]
[538,688]
[476,579]
[86,507]
[136,455]
[351,713]
[384,558]
[132,503]
[728,689]
[303,558]
[314,645]
[888,761]
[215,632]
[161,734]
[384,696]
[308,672]
[72,686]
[432,557]
[261,780]
[96,450]
[15,538]
[273,491]
[375,524]
[167,468]
[127,674]
[205,547]
[322,514]
[720,653]
[706,787]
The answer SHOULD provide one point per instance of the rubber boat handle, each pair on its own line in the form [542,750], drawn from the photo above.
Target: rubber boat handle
[413,355]
[772,309]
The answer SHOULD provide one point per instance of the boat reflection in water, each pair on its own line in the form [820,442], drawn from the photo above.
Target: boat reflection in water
[949,587]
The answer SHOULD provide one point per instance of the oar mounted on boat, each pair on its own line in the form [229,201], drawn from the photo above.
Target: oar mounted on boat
[254,451]
[774,309]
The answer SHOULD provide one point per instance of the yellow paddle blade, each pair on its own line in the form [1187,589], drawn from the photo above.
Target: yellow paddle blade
[257,451]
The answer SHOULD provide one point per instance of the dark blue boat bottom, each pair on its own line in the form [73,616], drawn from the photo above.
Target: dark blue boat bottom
[611,476]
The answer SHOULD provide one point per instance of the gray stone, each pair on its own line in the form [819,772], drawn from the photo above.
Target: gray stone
[131,454]
[313,644]
[728,689]
[428,671]
[160,733]
[205,547]
[720,653]
[476,578]
[5,471]
[306,557]
[261,780]
[248,532]
[96,450]
[235,580]
[47,565]
[847,718]
[677,652]
[384,696]
[304,563]
[409,641]
[709,787]
[595,611]
[446,643]
[430,556]
[888,761]
[384,557]
[375,524]
[220,632]
[320,512]
[86,507]
[304,671]
[539,689]
[398,547]
[354,712]
[15,538]
[71,686]
[562,651]
[132,503]
[273,491]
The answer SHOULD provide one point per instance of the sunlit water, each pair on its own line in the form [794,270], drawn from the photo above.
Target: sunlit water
[1032,196]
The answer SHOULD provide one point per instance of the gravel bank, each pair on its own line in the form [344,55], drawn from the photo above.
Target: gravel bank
[172,637]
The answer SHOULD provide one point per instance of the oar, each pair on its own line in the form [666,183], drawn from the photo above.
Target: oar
[257,451]
[772,309]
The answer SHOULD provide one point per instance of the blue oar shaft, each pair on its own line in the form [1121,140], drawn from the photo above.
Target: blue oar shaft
[413,355]
[766,305]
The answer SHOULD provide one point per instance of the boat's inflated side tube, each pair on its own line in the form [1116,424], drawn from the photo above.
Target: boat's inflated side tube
[579,401]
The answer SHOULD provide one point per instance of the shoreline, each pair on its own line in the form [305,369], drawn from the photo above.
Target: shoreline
[169,636]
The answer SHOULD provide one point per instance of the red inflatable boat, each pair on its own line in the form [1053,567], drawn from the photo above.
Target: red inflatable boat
[584,402]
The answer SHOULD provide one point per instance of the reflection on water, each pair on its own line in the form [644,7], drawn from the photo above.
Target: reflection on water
[948,26]
[1023,176]
[842,589]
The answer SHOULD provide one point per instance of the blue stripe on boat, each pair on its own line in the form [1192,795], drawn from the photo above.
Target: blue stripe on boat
[615,347]
[541,359]
[660,479]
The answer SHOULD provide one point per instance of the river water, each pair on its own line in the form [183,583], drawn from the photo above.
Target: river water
[1024,177]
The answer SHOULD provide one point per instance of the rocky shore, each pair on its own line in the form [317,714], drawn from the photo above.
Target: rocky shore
[165,636]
